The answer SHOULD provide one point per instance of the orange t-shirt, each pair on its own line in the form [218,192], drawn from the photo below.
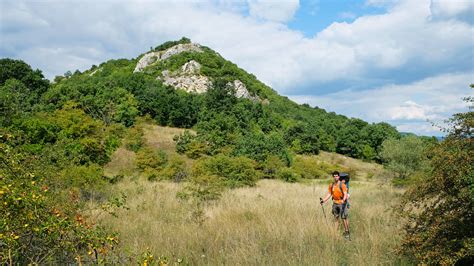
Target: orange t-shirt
[337,194]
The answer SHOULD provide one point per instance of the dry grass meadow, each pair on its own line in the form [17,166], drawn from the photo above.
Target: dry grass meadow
[273,223]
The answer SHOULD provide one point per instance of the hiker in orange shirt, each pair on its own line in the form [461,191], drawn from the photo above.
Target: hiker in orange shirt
[338,191]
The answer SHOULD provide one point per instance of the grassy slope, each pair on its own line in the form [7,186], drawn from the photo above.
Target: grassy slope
[273,223]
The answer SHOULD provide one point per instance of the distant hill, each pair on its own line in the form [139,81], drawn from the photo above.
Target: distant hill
[187,85]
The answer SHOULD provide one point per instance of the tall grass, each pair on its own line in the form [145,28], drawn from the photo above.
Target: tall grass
[274,223]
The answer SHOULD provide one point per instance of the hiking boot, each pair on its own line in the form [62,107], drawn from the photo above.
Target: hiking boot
[347,235]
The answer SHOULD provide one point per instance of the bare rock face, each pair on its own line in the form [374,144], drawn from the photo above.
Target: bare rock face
[185,47]
[153,57]
[241,90]
[147,60]
[95,71]
[187,79]
[191,67]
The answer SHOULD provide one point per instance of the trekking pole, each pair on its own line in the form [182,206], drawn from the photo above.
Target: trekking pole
[324,213]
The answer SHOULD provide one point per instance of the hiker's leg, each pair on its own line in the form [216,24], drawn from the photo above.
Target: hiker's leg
[345,218]
[346,224]
[336,224]
[336,213]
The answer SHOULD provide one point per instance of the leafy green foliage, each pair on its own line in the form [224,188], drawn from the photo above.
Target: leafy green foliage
[234,171]
[102,98]
[288,175]
[175,169]
[151,162]
[20,89]
[34,227]
[258,146]
[134,138]
[272,166]
[405,156]
[310,168]
[170,44]
[183,141]
[15,100]
[33,80]
[439,209]
[200,191]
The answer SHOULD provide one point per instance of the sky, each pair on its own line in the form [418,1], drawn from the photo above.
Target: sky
[406,62]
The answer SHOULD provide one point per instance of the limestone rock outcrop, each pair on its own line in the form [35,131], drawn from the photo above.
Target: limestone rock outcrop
[188,79]
[146,60]
[241,90]
[191,67]
[153,57]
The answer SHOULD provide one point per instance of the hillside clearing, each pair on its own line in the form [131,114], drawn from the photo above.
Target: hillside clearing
[160,137]
[274,223]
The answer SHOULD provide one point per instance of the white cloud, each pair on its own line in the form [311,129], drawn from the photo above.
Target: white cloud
[21,16]
[433,99]
[278,11]
[420,128]
[71,58]
[452,8]
[410,110]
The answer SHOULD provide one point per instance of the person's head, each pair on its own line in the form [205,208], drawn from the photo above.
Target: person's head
[335,174]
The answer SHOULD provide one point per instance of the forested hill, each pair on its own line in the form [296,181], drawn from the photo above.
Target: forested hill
[182,84]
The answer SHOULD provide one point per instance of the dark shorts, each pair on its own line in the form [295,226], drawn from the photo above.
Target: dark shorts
[340,210]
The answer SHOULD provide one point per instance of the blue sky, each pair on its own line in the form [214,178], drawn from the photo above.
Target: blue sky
[406,62]
[315,15]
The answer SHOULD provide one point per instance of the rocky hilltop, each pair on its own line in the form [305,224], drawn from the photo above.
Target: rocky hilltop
[188,77]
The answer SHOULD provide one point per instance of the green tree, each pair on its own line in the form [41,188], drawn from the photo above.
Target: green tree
[258,146]
[376,134]
[404,156]
[440,210]
[14,101]
[234,171]
[19,70]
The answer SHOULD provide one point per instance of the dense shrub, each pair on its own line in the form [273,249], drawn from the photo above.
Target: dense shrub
[183,141]
[404,156]
[272,166]
[86,177]
[235,171]
[170,44]
[151,161]
[175,169]
[438,210]
[200,191]
[258,146]
[134,138]
[310,167]
[288,175]
[36,227]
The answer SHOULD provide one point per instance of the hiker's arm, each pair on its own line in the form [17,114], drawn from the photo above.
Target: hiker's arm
[344,190]
[327,197]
